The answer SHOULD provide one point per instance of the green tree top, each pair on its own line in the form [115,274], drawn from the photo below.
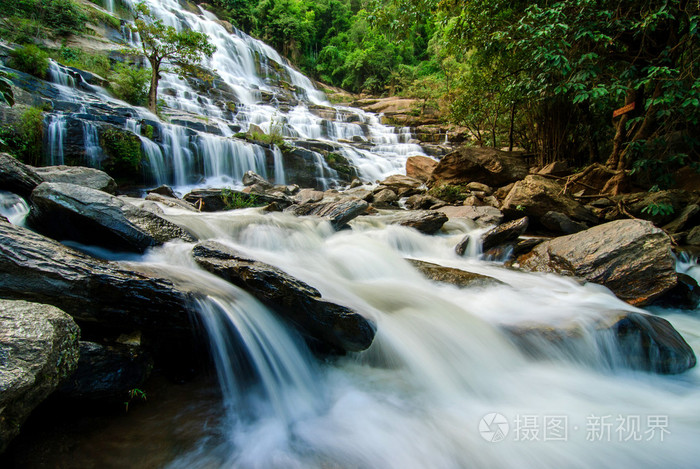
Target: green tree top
[164,44]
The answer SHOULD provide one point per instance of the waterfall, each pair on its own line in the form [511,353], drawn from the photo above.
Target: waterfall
[278,166]
[91,142]
[13,207]
[56,135]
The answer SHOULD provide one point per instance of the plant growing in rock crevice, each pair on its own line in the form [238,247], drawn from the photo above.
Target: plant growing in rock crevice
[124,154]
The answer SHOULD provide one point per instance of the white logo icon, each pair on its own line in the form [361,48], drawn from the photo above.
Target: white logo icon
[494,427]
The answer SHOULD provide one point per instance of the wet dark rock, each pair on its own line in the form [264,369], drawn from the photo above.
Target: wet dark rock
[38,350]
[78,175]
[502,234]
[639,341]
[685,295]
[632,258]
[217,200]
[107,372]
[163,190]
[452,276]
[425,221]
[250,178]
[17,177]
[333,327]
[485,165]
[36,268]
[689,216]
[89,216]
[338,212]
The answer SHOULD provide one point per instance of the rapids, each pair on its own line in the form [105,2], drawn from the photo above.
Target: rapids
[438,365]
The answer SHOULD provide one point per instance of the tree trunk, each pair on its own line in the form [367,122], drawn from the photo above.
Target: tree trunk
[510,127]
[615,159]
[153,90]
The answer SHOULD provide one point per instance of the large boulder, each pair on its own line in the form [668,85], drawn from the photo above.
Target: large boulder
[78,175]
[36,268]
[632,258]
[488,166]
[69,211]
[625,338]
[338,212]
[17,177]
[403,186]
[420,167]
[535,196]
[38,350]
[217,200]
[326,325]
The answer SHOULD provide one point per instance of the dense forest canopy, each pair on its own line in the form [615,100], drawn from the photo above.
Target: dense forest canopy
[539,75]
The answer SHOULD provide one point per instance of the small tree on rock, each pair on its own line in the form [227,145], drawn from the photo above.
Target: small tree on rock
[164,44]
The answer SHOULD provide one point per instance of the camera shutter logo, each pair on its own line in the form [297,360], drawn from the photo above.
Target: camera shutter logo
[494,427]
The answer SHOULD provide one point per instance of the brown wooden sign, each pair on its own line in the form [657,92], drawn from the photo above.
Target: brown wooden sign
[623,110]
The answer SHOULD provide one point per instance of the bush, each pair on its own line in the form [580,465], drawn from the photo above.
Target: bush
[124,155]
[92,62]
[30,59]
[24,138]
[234,200]
[59,17]
[448,192]
[131,84]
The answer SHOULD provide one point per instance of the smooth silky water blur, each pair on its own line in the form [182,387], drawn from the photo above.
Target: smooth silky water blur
[438,364]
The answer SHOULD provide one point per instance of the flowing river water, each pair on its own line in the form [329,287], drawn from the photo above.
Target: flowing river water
[417,397]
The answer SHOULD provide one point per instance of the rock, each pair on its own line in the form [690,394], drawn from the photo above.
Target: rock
[477,186]
[536,195]
[171,202]
[38,350]
[79,175]
[420,167]
[255,129]
[107,372]
[509,231]
[686,218]
[685,295]
[630,257]
[425,221]
[555,168]
[693,237]
[163,190]
[452,276]
[332,326]
[423,202]
[39,269]
[482,215]
[559,223]
[475,164]
[385,198]
[403,186]
[68,211]
[306,196]
[669,203]
[339,212]
[250,178]
[215,200]
[639,341]
[17,177]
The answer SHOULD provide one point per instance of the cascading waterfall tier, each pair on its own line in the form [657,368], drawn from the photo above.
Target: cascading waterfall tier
[252,87]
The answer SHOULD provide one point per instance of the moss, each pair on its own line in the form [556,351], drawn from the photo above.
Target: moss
[24,137]
[449,192]
[124,154]
[30,59]
[341,165]
[147,131]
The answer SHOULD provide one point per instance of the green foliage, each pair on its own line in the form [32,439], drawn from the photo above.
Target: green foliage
[24,138]
[662,209]
[130,83]
[30,59]
[235,200]
[147,131]
[7,96]
[165,44]
[97,63]
[132,394]
[448,192]
[52,17]
[124,154]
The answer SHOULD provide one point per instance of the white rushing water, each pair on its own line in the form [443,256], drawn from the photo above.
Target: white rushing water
[439,363]
[254,85]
